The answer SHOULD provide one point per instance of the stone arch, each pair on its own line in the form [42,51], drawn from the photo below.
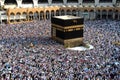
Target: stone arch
[91,10]
[98,14]
[47,14]
[116,14]
[101,1]
[41,15]
[57,12]
[68,12]
[57,1]
[62,12]
[42,1]
[74,12]
[85,10]
[18,14]
[10,2]
[30,12]
[52,13]
[27,1]
[85,14]
[72,1]
[12,15]
[91,14]
[24,16]
[104,14]
[30,16]
[36,15]
[88,1]
[110,14]
[24,12]
[80,12]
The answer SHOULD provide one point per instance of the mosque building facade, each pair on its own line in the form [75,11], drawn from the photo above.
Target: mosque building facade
[17,11]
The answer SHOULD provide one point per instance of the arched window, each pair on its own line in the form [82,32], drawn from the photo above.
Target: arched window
[110,13]
[10,2]
[27,1]
[105,1]
[57,1]
[18,16]
[85,14]
[57,13]
[12,17]
[41,15]
[68,12]
[24,14]
[98,14]
[47,15]
[91,10]
[88,1]
[74,13]
[62,12]
[42,1]
[52,13]
[104,14]
[74,1]
[36,15]
[91,14]
[118,0]
[116,14]
[86,10]
[31,15]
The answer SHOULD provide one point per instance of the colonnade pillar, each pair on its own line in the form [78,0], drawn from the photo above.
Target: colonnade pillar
[20,18]
[50,15]
[118,15]
[27,17]
[107,15]
[65,12]
[113,15]
[34,17]
[100,14]
[47,16]
[88,14]
[8,19]
[76,12]
[94,14]
[0,20]
[39,16]
[59,13]
[44,16]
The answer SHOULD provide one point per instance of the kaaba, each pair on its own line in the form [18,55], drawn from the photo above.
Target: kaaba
[67,30]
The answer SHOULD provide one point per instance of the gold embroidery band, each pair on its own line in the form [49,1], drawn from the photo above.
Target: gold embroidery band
[68,27]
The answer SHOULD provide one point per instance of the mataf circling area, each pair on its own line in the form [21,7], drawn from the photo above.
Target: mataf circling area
[28,52]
